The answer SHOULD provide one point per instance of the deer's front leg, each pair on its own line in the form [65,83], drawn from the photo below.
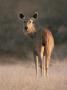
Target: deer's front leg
[42,58]
[36,63]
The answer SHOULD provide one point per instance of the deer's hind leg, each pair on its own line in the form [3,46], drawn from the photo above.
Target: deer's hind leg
[47,62]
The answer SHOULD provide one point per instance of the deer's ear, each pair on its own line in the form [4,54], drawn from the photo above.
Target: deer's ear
[35,16]
[21,16]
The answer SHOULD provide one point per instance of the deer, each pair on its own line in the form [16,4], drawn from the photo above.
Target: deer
[43,42]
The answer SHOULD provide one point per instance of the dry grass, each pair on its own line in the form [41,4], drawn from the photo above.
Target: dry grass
[20,75]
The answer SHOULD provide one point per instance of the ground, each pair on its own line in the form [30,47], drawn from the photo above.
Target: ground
[16,74]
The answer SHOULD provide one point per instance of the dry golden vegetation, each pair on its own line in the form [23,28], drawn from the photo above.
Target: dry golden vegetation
[18,74]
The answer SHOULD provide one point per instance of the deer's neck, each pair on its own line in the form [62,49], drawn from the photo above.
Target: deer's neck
[36,35]
[36,38]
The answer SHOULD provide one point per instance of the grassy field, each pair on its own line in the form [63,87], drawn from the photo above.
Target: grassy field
[17,74]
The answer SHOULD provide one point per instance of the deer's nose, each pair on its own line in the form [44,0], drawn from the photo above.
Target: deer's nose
[26,27]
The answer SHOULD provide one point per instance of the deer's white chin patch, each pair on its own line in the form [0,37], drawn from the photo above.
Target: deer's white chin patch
[31,30]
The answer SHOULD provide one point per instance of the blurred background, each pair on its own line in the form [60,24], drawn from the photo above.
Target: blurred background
[51,12]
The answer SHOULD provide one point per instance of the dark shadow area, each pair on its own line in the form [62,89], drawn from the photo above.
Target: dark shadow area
[13,43]
[60,52]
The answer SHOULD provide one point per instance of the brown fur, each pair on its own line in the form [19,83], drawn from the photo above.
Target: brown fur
[43,43]
[48,43]
[43,47]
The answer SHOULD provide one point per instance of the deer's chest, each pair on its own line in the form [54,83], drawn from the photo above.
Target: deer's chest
[37,43]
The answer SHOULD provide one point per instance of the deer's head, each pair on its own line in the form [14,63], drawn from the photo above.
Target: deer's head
[29,24]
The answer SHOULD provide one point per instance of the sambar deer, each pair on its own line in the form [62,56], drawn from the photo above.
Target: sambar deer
[43,42]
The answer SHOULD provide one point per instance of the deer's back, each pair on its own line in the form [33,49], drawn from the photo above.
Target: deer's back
[47,39]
